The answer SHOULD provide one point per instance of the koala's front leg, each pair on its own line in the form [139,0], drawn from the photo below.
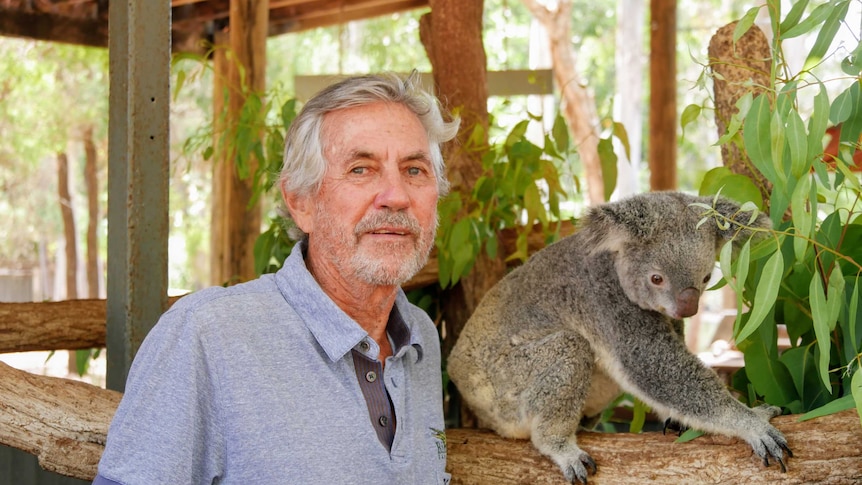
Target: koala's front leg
[654,365]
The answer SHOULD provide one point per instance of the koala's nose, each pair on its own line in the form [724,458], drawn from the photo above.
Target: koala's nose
[686,302]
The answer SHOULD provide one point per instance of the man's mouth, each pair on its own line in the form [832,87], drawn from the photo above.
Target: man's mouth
[392,232]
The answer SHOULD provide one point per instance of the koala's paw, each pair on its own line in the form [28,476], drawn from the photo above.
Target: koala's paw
[771,444]
[767,411]
[577,469]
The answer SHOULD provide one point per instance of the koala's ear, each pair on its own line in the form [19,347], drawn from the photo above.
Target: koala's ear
[605,229]
[734,221]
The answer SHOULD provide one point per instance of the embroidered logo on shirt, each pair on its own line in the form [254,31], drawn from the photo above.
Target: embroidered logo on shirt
[440,436]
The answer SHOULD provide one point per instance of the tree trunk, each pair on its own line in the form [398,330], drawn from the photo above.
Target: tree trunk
[579,107]
[65,423]
[452,37]
[662,113]
[92,181]
[739,68]
[65,198]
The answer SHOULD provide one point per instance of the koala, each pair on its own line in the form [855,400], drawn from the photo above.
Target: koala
[599,313]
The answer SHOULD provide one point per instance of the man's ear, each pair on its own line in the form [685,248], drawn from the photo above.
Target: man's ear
[301,208]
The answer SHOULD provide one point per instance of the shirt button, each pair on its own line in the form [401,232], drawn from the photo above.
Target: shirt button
[364,346]
[383,421]
[371,376]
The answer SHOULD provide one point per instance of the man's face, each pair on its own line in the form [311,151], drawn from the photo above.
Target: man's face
[375,215]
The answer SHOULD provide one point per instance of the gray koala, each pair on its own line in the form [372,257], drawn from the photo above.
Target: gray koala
[599,313]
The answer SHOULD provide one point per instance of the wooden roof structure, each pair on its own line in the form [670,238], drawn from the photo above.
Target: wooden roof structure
[85,22]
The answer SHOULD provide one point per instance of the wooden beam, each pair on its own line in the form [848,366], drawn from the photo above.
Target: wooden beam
[324,14]
[516,82]
[65,424]
[15,22]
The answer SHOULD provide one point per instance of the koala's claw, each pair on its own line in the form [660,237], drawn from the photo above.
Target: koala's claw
[578,472]
[670,424]
[775,448]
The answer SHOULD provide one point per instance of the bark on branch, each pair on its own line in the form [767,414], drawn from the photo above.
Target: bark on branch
[80,324]
[65,423]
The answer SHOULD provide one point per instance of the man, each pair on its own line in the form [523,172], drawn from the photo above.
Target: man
[322,372]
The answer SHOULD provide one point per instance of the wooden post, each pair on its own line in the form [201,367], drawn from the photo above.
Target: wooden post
[246,67]
[140,47]
[222,166]
[662,113]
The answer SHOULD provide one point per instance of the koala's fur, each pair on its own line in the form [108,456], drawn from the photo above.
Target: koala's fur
[599,313]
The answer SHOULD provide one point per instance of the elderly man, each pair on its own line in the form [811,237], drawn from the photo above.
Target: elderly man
[322,372]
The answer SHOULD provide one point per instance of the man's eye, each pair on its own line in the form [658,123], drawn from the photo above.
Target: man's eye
[358,170]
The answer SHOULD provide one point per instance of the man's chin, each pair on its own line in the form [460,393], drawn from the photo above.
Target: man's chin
[393,269]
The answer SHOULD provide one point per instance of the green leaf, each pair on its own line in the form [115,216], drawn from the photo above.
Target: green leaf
[837,12]
[797,140]
[856,390]
[820,315]
[792,18]
[835,295]
[764,294]
[852,64]
[836,406]
[622,135]
[689,114]
[820,13]
[817,123]
[288,113]
[689,435]
[639,413]
[853,312]
[778,142]
[517,133]
[745,23]
[803,220]
[733,186]
[535,207]
[844,105]
[756,134]
[560,133]
[609,166]
[766,372]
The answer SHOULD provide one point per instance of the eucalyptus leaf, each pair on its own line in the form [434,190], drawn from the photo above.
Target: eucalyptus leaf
[764,294]
[856,390]
[836,406]
[832,23]
[820,315]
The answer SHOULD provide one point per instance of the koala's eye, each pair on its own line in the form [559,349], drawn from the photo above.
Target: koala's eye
[656,279]
[706,278]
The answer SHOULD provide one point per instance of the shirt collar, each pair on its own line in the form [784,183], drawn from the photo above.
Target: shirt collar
[334,330]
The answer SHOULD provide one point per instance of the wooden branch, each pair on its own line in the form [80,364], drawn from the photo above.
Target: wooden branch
[827,450]
[61,421]
[80,324]
[65,423]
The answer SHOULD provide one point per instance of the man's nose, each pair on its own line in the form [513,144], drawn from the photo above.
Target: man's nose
[393,193]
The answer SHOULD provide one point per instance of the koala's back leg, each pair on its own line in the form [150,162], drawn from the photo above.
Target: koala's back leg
[555,399]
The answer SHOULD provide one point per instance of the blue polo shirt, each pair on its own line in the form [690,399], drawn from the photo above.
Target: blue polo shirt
[257,383]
